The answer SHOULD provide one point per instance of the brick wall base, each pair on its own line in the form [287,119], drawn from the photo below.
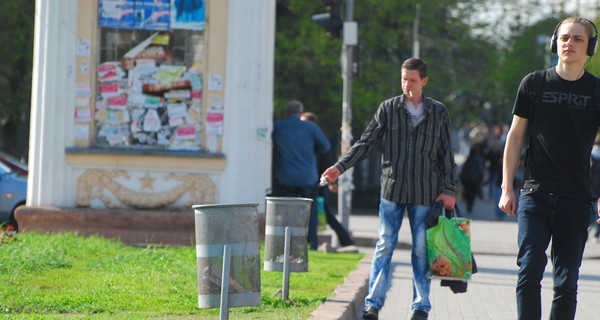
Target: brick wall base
[132,227]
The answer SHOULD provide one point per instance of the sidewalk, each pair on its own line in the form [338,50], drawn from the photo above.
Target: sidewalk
[491,292]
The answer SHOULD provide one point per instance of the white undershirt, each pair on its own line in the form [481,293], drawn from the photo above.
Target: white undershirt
[416,114]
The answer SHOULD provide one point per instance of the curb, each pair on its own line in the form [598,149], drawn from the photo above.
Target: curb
[349,296]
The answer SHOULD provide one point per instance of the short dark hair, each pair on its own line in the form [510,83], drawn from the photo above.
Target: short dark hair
[294,107]
[416,64]
[586,23]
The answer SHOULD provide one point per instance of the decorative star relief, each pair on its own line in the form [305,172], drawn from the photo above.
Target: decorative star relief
[147,182]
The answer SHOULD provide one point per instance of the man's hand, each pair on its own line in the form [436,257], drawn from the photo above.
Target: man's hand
[333,187]
[449,201]
[508,203]
[598,220]
[331,174]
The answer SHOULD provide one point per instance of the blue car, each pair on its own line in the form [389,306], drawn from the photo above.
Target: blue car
[13,190]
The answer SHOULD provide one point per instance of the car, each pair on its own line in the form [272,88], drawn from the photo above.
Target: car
[13,192]
[14,163]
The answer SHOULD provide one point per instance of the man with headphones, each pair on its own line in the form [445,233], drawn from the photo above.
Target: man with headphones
[557,114]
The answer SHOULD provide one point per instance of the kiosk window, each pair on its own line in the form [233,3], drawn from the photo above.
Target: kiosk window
[149,82]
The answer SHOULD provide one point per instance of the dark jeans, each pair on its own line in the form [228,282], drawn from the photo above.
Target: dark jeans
[313,221]
[332,221]
[543,217]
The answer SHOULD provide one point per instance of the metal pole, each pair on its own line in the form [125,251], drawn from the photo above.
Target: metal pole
[225,283]
[346,182]
[285,291]
[416,43]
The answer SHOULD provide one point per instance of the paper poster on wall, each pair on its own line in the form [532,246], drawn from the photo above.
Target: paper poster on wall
[81,102]
[152,14]
[84,48]
[83,114]
[262,134]
[82,131]
[215,82]
[215,102]
[83,90]
[84,68]
[188,14]
[214,122]
[116,13]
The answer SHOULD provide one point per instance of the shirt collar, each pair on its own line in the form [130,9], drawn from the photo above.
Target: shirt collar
[425,101]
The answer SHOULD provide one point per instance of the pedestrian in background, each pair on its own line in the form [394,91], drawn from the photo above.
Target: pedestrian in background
[472,175]
[556,112]
[297,144]
[417,169]
[325,160]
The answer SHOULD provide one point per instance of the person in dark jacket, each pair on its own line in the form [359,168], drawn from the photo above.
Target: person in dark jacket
[325,160]
[297,144]
[472,174]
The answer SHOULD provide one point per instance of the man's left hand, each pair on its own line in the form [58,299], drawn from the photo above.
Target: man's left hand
[598,220]
[449,201]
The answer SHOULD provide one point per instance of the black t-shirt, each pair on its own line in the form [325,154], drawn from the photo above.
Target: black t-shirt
[565,122]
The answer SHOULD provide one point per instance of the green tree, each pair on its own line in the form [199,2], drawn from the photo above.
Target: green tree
[307,64]
[16,23]
[528,50]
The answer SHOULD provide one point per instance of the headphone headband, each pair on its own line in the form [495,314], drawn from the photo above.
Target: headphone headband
[592,43]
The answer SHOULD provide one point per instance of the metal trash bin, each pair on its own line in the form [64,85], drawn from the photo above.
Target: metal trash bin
[285,212]
[235,225]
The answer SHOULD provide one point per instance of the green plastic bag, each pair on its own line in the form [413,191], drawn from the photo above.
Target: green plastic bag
[449,249]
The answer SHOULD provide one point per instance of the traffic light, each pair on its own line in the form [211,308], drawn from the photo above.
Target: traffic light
[331,21]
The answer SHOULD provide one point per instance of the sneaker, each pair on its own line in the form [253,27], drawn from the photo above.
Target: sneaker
[370,313]
[348,249]
[325,247]
[419,315]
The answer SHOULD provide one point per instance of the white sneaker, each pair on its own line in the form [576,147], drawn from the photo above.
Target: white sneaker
[348,249]
[325,247]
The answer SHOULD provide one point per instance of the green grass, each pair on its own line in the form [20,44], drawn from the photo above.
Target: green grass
[67,276]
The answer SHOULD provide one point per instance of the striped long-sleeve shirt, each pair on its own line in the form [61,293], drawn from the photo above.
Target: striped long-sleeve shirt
[417,162]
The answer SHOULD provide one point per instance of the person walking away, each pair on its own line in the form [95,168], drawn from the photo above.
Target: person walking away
[472,174]
[493,156]
[324,160]
[417,169]
[297,144]
[556,111]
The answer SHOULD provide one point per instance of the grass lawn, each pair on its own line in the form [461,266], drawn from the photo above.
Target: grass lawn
[62,276]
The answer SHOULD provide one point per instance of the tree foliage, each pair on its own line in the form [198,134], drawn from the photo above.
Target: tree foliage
[16,23]
[307,65]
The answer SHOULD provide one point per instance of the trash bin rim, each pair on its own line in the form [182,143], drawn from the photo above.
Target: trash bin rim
[289,198]
[224,205]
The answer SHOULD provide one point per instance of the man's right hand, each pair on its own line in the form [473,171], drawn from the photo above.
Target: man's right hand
[508,203]
[331,174]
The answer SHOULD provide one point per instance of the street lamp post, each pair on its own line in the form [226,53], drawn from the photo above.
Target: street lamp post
[332,23]
[350,40]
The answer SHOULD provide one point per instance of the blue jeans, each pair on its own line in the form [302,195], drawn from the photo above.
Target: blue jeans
[390,220]
[543,217]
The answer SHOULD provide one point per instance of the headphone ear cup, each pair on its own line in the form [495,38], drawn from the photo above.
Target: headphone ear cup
[592,46]
[553,45]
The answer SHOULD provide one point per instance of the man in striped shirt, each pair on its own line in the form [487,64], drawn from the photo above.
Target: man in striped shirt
[417,169]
